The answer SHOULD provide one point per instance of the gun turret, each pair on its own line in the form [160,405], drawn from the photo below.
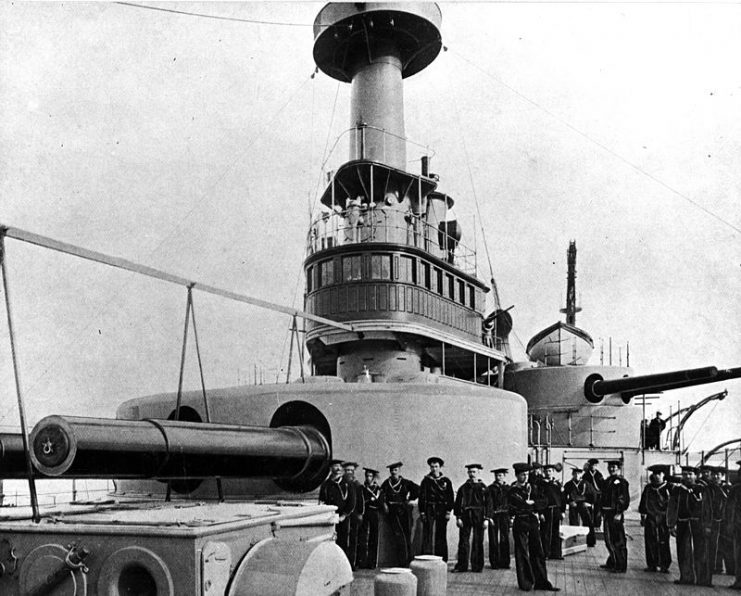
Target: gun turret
[596,387]
[296,456]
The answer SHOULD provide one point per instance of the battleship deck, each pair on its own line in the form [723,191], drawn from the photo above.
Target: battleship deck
[576,575]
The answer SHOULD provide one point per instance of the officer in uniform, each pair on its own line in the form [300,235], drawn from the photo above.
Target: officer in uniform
[615,500]
[595,479]
[553,513]
[733,522]
[578,496]
[435,505]
[336,491]
[399,495]
[470,510]
[529,557]
[356,517]
[498,520]
[368,536]
[716,499]
[653,505]
[684,517]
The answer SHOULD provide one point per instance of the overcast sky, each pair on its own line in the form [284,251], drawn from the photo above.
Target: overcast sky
[195,145]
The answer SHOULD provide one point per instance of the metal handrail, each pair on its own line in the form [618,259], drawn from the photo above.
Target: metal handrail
[382,224]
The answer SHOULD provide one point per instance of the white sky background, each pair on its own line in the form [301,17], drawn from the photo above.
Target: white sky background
[193,145]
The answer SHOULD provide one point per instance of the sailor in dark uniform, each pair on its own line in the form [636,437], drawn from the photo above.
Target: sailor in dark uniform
[499,520]
[553,513]
[594,477]
[715,498]
[685,519]
[733,522]
[653,505]
[470,510]
[368,535]
[529,557]
[615,500]
[356,517]
[435,505]
[336,491]
[725,539]
[578,496]
[399,495]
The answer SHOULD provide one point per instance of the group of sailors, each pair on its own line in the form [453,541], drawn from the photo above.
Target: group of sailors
[700,509]
[703,512]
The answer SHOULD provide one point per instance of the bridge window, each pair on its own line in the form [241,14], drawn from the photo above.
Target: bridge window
[407,271]
[310,279]
[471,297]
[439,276]
[461,292]
[380,266]
[352,268]
[326,273]
[451,286]
[425,274]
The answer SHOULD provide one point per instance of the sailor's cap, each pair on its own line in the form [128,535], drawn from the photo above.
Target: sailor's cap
[519,468]
[474,467]
[396,464]
[371,471]
[500,471]
[435,460]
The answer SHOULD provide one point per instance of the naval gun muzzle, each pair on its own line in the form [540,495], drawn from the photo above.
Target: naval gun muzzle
[102,448]
[12,457]
[596,387]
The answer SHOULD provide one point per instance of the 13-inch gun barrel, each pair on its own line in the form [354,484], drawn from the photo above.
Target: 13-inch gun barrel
[596,387]
[168,449]
[12,458]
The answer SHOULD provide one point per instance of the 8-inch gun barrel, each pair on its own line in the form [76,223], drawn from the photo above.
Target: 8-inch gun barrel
[168,449]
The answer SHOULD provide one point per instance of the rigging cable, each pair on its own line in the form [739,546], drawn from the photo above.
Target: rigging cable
[687,445]
[600,145]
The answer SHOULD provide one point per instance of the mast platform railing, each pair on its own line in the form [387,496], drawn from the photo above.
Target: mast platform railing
[371,223]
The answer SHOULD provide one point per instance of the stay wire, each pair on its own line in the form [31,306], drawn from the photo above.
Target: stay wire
[597,143]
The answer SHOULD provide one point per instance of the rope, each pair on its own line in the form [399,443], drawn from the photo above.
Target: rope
[616,155]
[687,445]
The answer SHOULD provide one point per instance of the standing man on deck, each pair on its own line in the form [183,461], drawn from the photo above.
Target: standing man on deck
[594,477]
[435,505]
[653,506]
[733,521]
[725,540]
[529,557]
[685,519]
[356,517]
[615,500]
[335,491]
[578,496]
[399,495]
[368,536]
[654,432]
[555,506]
[716,501]
[470,510]
[499,520]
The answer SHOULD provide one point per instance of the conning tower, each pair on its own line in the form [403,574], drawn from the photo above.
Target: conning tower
[385,253]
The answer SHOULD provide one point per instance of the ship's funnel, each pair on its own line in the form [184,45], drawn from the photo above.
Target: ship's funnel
[374,46]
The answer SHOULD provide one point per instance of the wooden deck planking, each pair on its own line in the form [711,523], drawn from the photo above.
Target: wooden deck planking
[576,575]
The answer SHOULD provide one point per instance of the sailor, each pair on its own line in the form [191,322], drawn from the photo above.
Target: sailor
[684,518]
[470,511]
[435,505]
[553,513]
[704,476]
[536,473]
[578,495]
[399,496]
[715,498]
[356,517]
[653,505]
[368,535]
[654,432]
[529,558]
[615,500]
[733,522]
[499,520]
[594,477]
[725,539]
[335,491]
